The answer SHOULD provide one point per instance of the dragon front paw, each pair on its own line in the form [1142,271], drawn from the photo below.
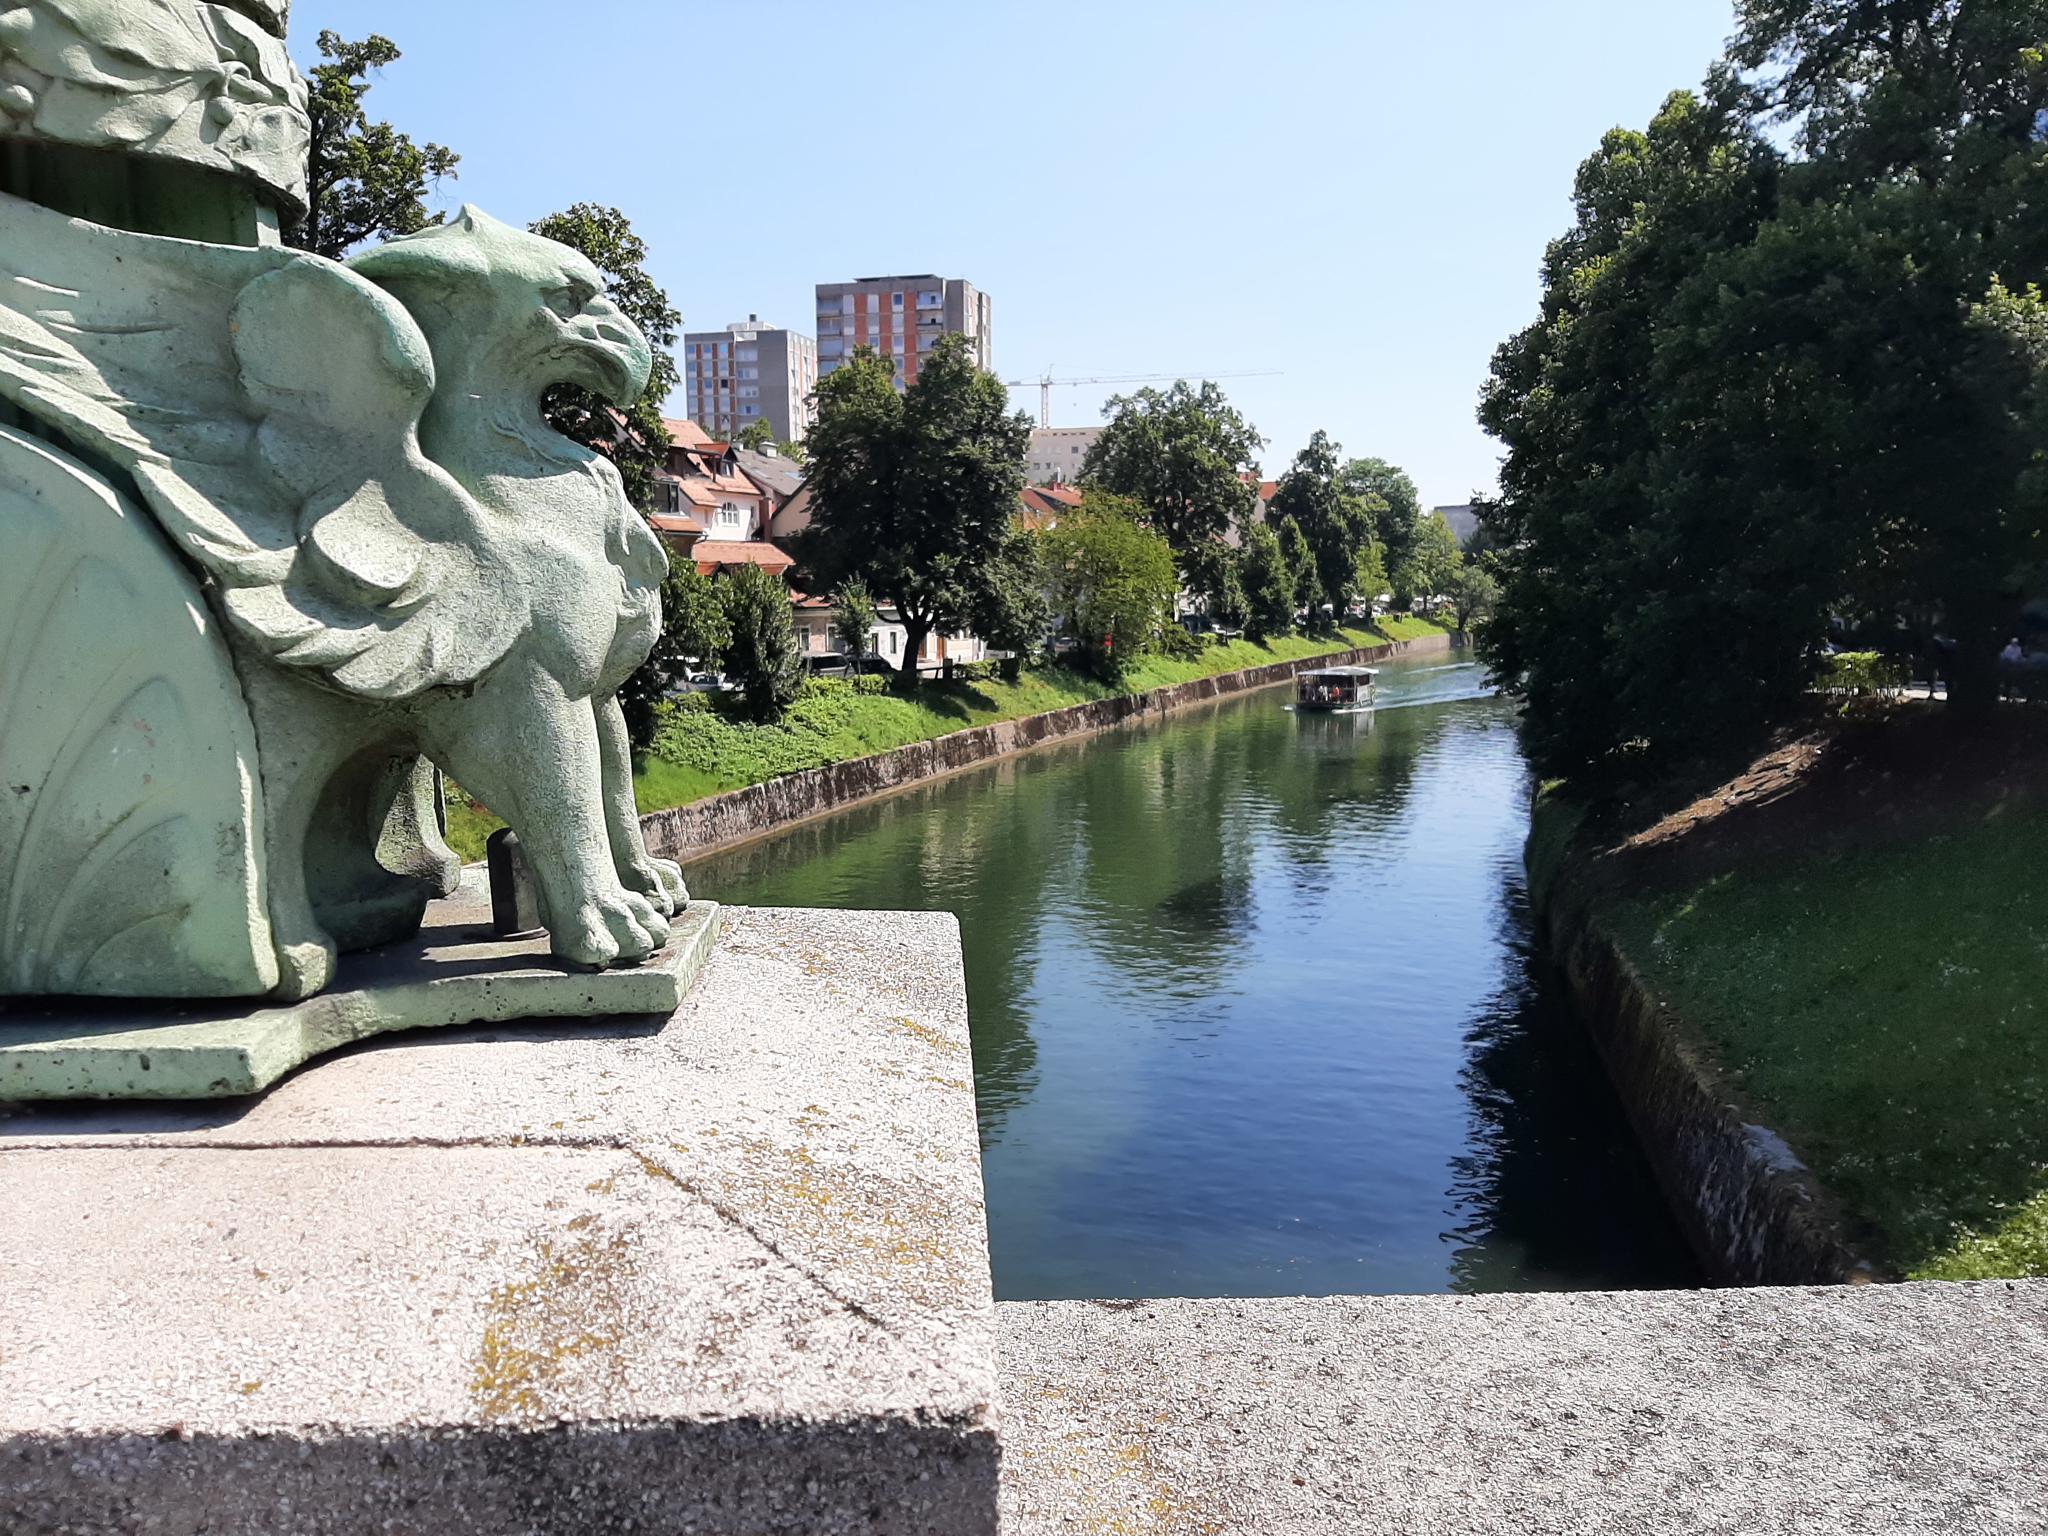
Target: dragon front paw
[616,928]
[660,881]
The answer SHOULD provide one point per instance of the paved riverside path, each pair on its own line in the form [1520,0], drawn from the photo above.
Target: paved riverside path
[1875,1409]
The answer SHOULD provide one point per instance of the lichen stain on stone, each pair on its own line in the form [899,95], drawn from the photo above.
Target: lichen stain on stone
[938,1039]
[569,1310]
[1127,1493]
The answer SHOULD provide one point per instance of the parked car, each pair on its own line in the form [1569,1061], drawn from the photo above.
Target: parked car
[708,682]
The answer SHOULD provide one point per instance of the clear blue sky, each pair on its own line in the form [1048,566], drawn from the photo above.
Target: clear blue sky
[1354,191]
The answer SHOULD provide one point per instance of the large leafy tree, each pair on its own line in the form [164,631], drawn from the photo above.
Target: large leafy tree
[636,439]
[1335,522]
[1268,584]
[364,180]
[761,652]
[1012,612]
[1398,514]
[1112,579]
[913,490]
[1766,389]
[1433,560]
[1184,455]
[1604,617]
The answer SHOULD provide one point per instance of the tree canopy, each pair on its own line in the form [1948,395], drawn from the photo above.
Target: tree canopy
[913,490]
[1771,391]
[1112,579]
[1184,455]
[364,180]
[1396,515]
[1335,522]
[636,439]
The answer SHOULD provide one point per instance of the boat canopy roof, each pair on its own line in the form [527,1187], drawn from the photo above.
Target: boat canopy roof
[1368,673]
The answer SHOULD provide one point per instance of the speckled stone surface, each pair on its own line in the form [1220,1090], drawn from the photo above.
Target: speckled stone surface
[722,1273]
[1895,1409]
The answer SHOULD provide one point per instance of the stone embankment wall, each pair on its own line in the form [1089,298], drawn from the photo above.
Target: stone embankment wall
[1753,1213]
[718,822]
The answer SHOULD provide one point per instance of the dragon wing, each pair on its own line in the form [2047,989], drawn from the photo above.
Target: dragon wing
[266,403]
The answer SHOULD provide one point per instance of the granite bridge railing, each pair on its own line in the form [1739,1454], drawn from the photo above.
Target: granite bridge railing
[722,820]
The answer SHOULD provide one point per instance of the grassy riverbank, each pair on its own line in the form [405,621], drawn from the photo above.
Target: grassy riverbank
[1857,928]
[700,752]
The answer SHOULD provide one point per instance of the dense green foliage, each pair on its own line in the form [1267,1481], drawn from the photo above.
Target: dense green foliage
[364,180]
[1184,455]
[693,630]
[1396,511]
[1268,584]
[1011,611]
[853,619]
[761,652]
[1431,566]
[636,439]
[1335,525]
[1768,388]
[913,490]
[1472,594]
[1112,580]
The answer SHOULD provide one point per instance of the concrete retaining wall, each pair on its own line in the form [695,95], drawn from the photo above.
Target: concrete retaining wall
[718,822]
[1753,1213]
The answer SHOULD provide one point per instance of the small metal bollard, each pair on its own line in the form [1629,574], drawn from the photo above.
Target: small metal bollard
[515,897]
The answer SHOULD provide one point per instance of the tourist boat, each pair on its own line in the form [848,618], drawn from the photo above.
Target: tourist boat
[1336,690]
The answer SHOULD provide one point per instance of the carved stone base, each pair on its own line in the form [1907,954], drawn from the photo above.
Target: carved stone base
[456,971]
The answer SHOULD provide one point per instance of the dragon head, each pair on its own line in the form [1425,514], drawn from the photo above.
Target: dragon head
[539,307]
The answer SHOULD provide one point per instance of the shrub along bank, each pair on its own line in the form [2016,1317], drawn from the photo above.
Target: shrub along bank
[702,750]
[1856,929]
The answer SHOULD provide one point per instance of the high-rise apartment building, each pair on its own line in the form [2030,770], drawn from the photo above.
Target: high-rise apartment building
[750,372]
[901,318]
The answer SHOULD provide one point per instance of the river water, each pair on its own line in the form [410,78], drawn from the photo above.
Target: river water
[1255,1005]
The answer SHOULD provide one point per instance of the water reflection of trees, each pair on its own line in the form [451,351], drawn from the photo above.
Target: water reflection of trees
[1552,1194]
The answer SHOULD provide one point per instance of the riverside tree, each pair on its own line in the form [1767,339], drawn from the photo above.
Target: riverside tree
[1433,560]
[1397,515]
[637,439]
[761,653]
[1268,585]
[364,180]
[1334,522]
[694,633]
[1012,613]
[1112,579]
[853,619]
[1184,455]
[913,491]
[1767,389]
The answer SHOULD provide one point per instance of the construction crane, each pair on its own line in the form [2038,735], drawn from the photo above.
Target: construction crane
[1046,383]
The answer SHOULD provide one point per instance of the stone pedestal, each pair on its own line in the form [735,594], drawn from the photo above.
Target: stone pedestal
[724,1272]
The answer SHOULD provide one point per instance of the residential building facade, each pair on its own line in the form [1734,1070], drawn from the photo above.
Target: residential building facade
[709,510]
[1057,453]
[902,318]
[812,617]
[750,372]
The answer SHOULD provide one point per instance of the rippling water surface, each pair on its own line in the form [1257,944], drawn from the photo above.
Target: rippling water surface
[1254,1004]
